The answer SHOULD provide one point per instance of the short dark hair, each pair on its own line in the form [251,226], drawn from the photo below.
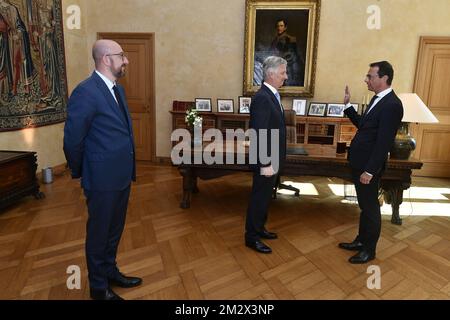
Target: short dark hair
[281,19]
[384,69]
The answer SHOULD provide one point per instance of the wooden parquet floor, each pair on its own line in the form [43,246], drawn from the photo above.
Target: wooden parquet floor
[199,253]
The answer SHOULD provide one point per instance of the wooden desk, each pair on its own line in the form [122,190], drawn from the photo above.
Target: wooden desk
[394,181]
[17,176]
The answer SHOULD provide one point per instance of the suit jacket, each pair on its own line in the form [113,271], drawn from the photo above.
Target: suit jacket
[376,133]
[265,113]
[98,140]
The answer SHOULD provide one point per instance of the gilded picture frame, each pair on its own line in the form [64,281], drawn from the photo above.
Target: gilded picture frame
[289,29]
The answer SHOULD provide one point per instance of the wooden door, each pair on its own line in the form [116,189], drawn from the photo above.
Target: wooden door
[139,85]
[432,85]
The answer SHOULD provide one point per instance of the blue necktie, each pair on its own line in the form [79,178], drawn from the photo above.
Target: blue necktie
[279,101]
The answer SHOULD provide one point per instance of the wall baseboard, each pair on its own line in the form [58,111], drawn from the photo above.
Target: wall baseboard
[163,160]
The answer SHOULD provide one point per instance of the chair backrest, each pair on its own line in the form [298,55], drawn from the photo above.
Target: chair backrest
[291,128]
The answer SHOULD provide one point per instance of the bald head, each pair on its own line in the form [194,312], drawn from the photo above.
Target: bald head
[109,58]
[101,48]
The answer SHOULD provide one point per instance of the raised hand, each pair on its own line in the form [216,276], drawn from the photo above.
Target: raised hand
[347,95]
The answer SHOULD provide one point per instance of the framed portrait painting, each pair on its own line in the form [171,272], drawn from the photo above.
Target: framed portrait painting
[288,29]
[33,84]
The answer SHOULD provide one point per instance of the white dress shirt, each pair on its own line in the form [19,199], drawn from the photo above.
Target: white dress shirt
[275,92]
[379,95]
[109,84]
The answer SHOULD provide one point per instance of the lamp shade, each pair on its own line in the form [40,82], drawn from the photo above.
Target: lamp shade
[414,110]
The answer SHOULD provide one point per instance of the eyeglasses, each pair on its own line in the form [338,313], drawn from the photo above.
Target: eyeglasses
[122,55]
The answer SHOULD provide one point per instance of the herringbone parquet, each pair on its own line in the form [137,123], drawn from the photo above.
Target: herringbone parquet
[199,253]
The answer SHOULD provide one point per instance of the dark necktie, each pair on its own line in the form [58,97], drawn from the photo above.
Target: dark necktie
[370,104]
[120,102]
[277,95]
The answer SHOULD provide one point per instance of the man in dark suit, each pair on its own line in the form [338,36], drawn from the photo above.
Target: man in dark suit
[99,148]
[368,153]
[266,116]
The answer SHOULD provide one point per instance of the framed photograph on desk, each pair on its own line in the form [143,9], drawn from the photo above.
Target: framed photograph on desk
[203,104]
[225,105]
[317,109]
[244,104]
[299,106]
[335,110]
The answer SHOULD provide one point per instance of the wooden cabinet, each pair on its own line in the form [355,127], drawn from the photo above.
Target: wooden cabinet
[324,132]
[17,176]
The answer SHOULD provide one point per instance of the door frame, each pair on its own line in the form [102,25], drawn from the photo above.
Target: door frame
[150,105]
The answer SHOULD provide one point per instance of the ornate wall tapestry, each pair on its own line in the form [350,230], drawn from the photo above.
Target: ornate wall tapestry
[33,84]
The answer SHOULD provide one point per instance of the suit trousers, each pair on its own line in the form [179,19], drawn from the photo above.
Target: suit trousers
[107,211]
[370,216]
[260,197]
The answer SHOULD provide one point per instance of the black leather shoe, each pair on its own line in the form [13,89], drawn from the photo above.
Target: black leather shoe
[104,294]
[352,246]
[125,282]
[268,235]
[362,257]
[258,246]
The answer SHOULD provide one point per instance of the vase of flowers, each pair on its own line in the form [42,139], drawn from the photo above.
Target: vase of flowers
[194,122]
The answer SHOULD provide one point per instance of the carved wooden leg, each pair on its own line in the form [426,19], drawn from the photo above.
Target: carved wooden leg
[194,184]
[394,196]
[188,183]
[39,195]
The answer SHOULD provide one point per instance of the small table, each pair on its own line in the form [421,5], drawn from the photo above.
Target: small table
[396,178]
[18,176]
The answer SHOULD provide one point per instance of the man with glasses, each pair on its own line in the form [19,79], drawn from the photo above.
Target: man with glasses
[99,148]
[368,153]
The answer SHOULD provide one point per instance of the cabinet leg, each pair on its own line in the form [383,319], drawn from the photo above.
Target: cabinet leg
[188,184]
[194,185]
[39,195]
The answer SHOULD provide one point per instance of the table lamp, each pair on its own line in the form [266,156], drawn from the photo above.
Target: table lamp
[414,110]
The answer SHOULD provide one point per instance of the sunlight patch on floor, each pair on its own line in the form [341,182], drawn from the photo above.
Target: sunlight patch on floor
[420,209]
[413,208]
[426,193]
[306,189]
[342,190]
